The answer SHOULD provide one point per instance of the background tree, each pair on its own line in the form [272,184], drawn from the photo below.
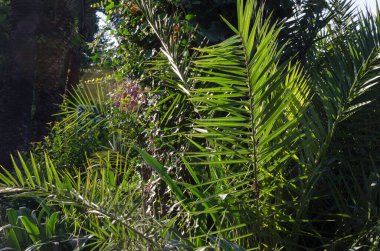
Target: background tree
[46,40]
[17,91]
[63,28]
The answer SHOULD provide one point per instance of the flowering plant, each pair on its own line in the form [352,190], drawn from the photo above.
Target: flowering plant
[128,96]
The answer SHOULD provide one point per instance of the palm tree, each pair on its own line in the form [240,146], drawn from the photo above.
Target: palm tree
[266,146]
[261,134]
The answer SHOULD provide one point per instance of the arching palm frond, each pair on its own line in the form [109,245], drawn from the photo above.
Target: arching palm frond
[87,106]
[348,69]
[102,201]
[342,82]
[165,30]
[249,103]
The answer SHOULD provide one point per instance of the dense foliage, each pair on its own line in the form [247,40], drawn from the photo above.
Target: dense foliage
[225,145]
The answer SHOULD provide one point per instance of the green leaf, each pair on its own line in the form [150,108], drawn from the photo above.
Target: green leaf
[31,228]
[11,216]
[163,174]
[51,224]
[12,239]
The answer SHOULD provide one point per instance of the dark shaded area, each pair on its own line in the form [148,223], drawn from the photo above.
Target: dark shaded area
[45,51]
[208,14]
[17,87]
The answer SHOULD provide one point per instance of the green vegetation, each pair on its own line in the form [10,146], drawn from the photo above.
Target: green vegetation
[232,145]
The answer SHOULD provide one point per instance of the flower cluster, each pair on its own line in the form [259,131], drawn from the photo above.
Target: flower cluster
[128,96]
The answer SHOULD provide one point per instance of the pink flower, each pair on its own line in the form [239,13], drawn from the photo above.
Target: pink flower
[128,96]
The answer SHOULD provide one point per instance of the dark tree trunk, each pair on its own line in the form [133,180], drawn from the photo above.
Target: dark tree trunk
[17,93]
[55,35]
[45,58]
[59,58]
[73,67]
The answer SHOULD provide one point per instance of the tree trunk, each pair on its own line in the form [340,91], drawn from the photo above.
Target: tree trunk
[56,30]
[45,57]
[17,93]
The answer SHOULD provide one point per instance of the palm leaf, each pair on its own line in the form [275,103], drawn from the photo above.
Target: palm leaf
[100,200]
[249,102]
[347,72]
[172,67]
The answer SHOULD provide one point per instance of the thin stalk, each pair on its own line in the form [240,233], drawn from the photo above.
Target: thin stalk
[253,157]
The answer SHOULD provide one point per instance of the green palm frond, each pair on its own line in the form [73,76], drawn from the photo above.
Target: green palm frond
[88,105]
[249,103]
[104,200]
[172,67]
[164,28]
[348,72]
[249,107]
[349,69]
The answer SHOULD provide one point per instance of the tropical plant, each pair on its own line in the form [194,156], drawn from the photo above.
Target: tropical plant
[103,201]
[94,116]
[229,109]
[250,106]
[249,151]
[35,230]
